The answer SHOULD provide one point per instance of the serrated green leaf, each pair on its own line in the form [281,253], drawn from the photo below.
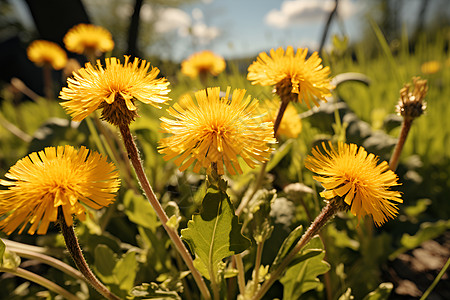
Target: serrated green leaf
[151,291]
[214,234]
[125,271]
[382,292]
[139,211]
[302,276]
[2,251]
[287,245]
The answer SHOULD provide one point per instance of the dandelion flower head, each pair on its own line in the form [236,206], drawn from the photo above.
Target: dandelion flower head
[295,78]
[114,88]
[216,130]
[54,178]
[291,124]
[88,38]
[412,102]
[357,178]
[45,52]
[202,63]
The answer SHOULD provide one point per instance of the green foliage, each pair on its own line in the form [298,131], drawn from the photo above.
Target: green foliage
[118,274]
[215,233]
[151,291]
[302,276]
[381,293]
[139,211]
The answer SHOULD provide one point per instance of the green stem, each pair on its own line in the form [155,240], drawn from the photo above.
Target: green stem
[259,250]
[41,281]
[262,171]
[241,273]
[406,126]
[436,280]
[51,261]
[326,214]
[131,148]
[75,251]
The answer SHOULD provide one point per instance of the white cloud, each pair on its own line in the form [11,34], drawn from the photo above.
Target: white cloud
[173,19]
[295,12]
[204,34]
[170,19]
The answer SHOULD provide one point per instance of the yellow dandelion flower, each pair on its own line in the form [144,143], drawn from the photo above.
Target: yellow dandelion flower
[412,103]
[202,63]
[54,178]
[291,124]
[88,38]
[114,89]
[216,130]
[353,175]
[45,52]
[430,67]
[295,78]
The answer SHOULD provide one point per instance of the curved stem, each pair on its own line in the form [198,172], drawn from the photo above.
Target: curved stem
[51,261]
[406,126]
[41,281]
[436,280]
[326,214]
[77,256]
[179,245]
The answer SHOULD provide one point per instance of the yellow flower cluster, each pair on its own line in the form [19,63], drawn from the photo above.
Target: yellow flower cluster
[215,130]
[54,179]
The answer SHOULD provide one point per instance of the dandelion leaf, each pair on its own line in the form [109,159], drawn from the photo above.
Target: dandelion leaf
[302,276]
[214,234]
[118,273]
[139,211]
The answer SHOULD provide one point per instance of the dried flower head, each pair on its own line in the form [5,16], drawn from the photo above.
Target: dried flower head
[45,52]
[202,63]
[291,124]
[88,38]
[216,130]
[295,78]
[357,179]
[114,88]
[55,178]
[411,103]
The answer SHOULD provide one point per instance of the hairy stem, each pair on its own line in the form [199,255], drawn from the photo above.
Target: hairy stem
[406,126]
[75,251]
[326,214]
[179,245]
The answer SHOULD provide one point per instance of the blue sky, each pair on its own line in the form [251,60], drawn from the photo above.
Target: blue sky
[245,27]
[242,28]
